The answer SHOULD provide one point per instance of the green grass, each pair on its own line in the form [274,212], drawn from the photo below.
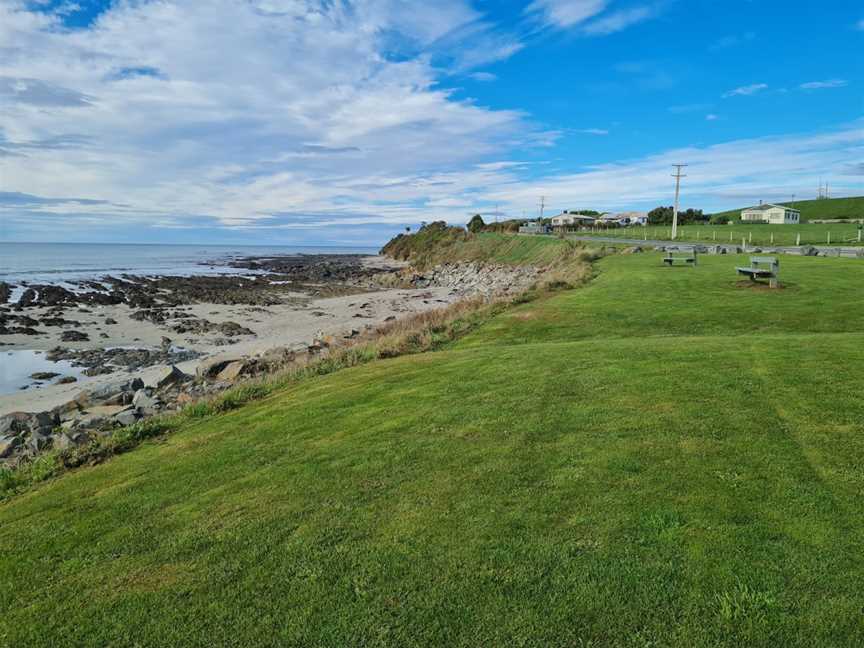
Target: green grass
[661,458]
[829,209]
[755,234]
[436,243]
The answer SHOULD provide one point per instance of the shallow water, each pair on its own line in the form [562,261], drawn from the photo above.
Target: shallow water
[16,367]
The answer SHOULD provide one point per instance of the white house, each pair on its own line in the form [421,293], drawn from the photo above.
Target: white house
[633,218]
[568,219]
[624,219]
[773,214]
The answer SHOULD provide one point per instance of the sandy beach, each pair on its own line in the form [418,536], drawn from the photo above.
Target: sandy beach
[294,323]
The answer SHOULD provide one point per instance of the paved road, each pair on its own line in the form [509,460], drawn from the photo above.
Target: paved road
[821,250]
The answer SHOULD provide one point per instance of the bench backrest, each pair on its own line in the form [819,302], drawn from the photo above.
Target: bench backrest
[772,261]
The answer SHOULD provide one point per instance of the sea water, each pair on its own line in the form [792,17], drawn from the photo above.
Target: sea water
[57,263]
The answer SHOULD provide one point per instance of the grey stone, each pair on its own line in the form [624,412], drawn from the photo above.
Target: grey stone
[39,441]
[8,445]
[173,377]
[67,440]
[126,417]
[14,424]
[143,400]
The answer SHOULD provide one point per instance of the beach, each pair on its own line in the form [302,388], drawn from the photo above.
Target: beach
[282,304]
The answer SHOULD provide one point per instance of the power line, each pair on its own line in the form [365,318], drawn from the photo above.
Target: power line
[677,175]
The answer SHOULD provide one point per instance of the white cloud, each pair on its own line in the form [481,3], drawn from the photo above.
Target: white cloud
[566,13]
[620,20]
[483,76]
[252,113]
[819,85]
[589,16]
[593,131]
[747,90]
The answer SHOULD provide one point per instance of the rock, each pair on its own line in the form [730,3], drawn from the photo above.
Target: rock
[110,320]
[213,367]
[74,336]
[66,380]
[14,424]
[136,384]
[174,377]
[70,439]
[143,401]
[232,371]
[44,422]
[126,417]
[8,445]
[166,343]
[632,250]
[39,441]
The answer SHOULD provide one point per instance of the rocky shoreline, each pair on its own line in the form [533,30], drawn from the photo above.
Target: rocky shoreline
[186,338]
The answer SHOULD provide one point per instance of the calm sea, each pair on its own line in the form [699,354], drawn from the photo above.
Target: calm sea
[61,262]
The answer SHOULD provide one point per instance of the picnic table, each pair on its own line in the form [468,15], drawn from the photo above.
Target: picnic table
[681,258]
[762,268]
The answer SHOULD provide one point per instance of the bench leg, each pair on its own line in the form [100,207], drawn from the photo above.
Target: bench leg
[772,282]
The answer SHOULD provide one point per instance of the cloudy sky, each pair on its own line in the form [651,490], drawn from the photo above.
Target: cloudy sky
[343,121]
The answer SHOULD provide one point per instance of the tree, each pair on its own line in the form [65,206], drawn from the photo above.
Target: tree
[476,224]
[663,216]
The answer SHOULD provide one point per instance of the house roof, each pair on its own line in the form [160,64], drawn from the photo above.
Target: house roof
[768,206]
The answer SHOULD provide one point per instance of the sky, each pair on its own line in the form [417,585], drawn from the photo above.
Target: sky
[341,122]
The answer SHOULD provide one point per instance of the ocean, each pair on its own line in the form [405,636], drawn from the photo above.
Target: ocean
[56,263]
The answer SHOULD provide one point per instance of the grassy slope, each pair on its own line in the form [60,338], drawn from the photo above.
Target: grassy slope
[658,459]
[434,245]
[820,209]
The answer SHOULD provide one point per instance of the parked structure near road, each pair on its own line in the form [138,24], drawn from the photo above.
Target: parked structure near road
[533,227]
[773,214]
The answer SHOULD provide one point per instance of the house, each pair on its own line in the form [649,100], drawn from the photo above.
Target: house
[632,218]
[569,219]
[773,214]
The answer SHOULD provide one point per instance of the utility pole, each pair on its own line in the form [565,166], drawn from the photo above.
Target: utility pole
[677,175]
[542,207]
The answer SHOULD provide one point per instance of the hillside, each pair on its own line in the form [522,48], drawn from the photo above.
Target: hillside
[660,458]
[830,208]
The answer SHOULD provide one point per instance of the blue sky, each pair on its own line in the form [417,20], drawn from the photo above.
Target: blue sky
[342,122]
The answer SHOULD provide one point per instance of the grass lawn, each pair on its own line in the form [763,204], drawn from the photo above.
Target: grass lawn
[658,459]
[757,234]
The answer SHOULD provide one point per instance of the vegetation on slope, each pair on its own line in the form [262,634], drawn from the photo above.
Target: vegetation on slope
[827,209]
[439,243]
[660,458]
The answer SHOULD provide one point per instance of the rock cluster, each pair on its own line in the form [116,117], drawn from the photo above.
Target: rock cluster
[477,279]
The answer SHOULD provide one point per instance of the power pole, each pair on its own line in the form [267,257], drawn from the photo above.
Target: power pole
[542,207]
[677,175]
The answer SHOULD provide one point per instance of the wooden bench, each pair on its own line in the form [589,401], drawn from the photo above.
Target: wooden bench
[762,268]
[681,259]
